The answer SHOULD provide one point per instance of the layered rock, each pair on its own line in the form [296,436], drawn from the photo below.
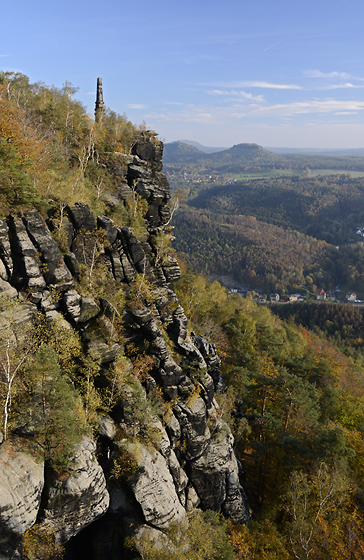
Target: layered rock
[154,489]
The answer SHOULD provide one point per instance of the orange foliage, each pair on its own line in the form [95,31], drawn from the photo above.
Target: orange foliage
[16,129]
[239,537]
[342,541]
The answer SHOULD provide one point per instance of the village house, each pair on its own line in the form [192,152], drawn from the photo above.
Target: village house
[320,294]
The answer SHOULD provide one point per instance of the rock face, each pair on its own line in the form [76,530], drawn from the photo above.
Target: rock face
[72,504]
[215,477]
[191,463]
[154,490]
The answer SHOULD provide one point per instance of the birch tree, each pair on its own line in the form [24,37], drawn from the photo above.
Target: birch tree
[14,352]
[311,499]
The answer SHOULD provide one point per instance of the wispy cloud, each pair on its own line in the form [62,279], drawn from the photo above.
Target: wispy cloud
[319,74]
[236,93]
[258,84]
[312,106]
[347,85]
[277,43]
[136,106]
[190,114]
[218,115]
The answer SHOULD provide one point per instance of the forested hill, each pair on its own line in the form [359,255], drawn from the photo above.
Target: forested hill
[280,234]
[179,152]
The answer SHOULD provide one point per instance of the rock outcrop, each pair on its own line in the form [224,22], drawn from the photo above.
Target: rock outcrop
[191,463]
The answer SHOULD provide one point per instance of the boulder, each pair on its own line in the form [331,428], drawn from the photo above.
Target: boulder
[5,248]
[105,353]
[193,422]
[72,301]
[26,273]
[108,226]
[21,484]
[73,265]
[82,217]
[106,427]
[171,269]
[7,289]
[89,309]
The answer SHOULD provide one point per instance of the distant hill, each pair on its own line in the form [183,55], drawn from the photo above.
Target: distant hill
[240,154]
[206,149]
[179,152]
[273,233]
[338,152]
[252,158]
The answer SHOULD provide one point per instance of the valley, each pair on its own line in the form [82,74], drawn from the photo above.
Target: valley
[292,230]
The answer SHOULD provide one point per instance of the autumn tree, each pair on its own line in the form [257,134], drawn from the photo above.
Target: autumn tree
[311,500]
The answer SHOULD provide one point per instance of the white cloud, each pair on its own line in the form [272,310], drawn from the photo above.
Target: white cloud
[136,106]
[254,114]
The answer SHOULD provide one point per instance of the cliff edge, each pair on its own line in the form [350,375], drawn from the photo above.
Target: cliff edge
[155,445]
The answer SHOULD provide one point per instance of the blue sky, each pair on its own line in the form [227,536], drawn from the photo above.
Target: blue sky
[276,72]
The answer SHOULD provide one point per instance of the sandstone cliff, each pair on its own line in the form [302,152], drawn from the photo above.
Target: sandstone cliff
[172,458]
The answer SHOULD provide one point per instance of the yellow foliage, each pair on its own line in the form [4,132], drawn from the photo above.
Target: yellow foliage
[40,544]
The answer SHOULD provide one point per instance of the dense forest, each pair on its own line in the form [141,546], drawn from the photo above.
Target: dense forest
[280,234]
[293,399]
[330,207]
[296,406]
[254,253]
[341,323]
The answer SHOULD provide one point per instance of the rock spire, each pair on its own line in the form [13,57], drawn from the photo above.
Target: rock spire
[99,105]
